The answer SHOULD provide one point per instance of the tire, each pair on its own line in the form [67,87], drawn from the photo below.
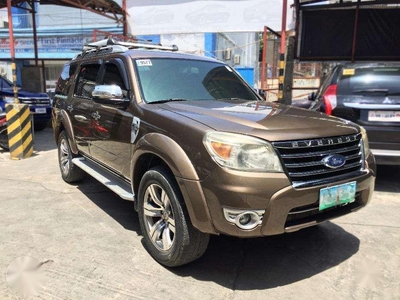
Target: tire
[4,138]
[69,172]
[168,235]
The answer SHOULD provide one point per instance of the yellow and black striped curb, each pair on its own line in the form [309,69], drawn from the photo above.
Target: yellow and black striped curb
[19,129]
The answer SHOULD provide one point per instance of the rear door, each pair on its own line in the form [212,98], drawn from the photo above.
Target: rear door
[82,104]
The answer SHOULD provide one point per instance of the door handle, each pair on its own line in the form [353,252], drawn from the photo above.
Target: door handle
[95,115]
[81,119]
[70,108]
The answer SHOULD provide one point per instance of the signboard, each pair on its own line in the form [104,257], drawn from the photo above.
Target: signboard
[45,44]
[185,16]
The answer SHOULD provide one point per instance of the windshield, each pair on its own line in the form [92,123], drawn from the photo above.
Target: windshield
[5,83]
[165,79]
[372,81]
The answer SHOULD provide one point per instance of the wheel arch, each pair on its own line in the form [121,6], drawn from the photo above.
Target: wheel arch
[156,149]
[64,123]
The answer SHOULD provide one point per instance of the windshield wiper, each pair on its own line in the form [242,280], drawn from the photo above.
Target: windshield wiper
[167,100]
[383,91]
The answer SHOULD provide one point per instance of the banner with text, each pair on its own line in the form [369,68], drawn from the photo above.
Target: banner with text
[185,16]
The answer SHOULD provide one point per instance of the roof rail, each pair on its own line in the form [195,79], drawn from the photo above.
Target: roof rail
[130,45]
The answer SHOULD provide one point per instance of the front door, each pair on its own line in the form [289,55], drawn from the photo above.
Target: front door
[112,125]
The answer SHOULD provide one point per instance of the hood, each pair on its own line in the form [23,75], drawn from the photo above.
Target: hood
[269,121]
[23,93]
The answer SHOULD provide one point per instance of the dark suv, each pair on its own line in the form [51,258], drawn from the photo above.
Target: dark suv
[199,152]
[39,103]
[367,94]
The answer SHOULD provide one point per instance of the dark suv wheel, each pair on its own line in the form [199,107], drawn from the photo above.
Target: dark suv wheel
[69,172]
[168,234]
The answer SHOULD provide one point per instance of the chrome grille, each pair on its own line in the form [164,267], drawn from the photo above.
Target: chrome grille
[303,160]
[35,101]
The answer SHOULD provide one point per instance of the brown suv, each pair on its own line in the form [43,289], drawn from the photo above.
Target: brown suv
[199,151]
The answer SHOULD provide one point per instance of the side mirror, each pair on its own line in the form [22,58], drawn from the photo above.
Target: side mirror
[109,94]
[311,96]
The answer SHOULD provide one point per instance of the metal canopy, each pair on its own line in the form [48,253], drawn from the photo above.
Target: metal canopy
[106,8]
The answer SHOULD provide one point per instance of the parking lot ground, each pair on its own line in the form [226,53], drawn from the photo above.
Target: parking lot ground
[89,242]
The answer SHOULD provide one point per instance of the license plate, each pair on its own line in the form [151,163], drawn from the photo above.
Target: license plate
[40,110]
[337,195]
[384,116]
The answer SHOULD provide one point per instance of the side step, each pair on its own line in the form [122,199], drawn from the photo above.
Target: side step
[115,184]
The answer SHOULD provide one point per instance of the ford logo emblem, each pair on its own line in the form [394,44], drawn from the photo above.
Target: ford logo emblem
[334,161]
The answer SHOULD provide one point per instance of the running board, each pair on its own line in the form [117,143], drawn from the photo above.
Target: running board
[115,184]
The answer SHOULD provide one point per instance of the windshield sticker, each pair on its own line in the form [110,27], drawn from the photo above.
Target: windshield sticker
[348,72]
[144,63]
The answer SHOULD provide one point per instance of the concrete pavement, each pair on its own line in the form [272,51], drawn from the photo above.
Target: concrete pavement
[89,242]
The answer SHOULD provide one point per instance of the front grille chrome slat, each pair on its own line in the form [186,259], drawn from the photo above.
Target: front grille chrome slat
[306,174]
[321,153]
[304,163]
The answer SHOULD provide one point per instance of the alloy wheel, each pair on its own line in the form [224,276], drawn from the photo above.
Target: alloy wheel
[64,156]
[159,218]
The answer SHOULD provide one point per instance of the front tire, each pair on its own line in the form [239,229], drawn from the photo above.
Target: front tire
[168,234]
[69,172]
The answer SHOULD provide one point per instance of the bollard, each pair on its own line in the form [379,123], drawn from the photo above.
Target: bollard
[19,129]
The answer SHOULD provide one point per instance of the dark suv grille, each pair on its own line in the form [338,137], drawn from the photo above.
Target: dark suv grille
[34,101]
[304,164]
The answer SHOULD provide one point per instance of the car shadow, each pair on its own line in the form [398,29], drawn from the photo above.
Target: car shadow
[246,264]
[269,262]
[120,210]
[386,181]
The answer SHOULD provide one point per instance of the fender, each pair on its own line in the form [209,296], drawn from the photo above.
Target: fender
[66,122]
[182,168]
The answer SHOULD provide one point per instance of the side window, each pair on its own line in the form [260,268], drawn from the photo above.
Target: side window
[113,76]
[86,80]
[65,79]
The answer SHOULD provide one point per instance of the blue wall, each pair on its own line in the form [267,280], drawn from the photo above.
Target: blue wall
[210,44]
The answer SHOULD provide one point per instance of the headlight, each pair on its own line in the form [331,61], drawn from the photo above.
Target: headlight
[365,140]
[241,152]
[8,99]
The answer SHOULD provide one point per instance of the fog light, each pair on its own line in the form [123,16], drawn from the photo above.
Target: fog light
[244,219]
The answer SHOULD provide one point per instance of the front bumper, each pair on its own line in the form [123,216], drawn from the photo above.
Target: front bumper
[286,209]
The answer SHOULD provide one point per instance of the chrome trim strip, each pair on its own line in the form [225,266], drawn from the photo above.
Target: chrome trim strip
[345,167]
[320,153]
[321,142]
[381,152]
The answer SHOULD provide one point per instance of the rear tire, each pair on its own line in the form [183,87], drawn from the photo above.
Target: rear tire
[4,138]
[69,172]
[168,235]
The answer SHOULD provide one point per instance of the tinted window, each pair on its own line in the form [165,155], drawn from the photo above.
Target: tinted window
[376,80]
[163,79]
[86,80]
[65,79]
[113,76]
